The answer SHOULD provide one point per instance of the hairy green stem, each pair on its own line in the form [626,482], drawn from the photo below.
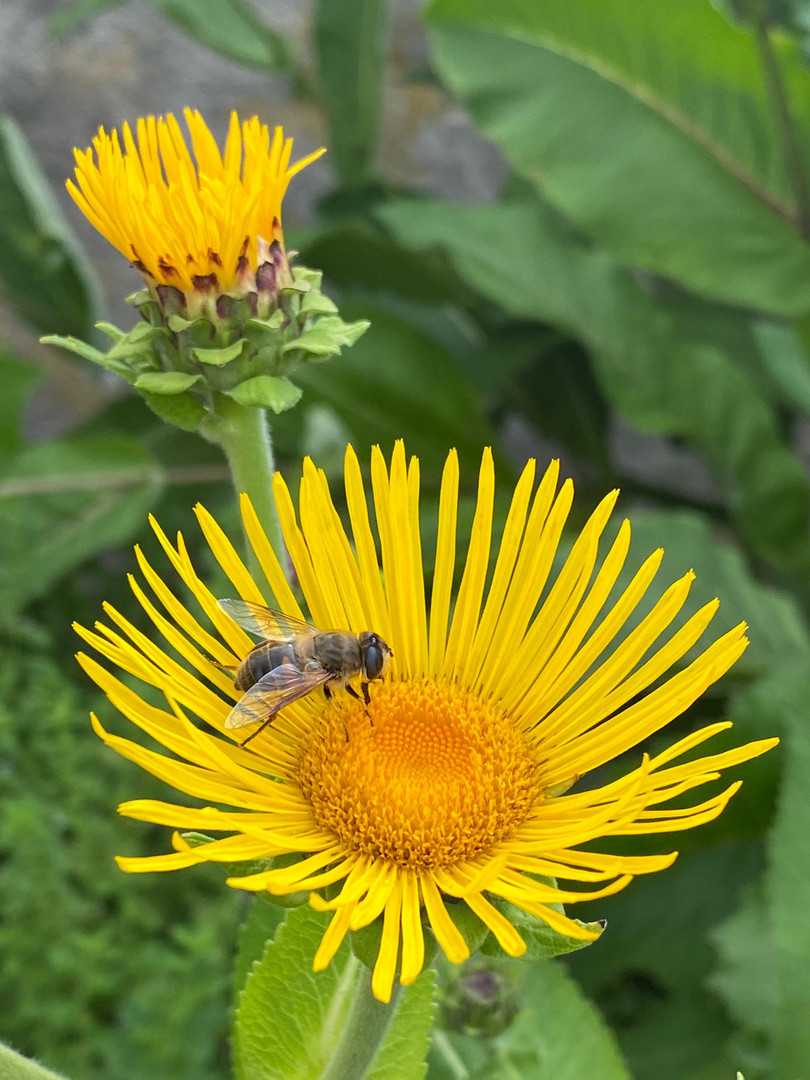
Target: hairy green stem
[244,435]
[14,1066]
[777,91]
[363,1033]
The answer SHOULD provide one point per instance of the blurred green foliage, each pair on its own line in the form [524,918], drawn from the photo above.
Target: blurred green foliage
[647,267]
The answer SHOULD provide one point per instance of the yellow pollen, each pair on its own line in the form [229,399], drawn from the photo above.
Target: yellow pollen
[429,775]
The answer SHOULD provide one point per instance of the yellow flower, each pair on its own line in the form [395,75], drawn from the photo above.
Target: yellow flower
[455,782]
[215,225]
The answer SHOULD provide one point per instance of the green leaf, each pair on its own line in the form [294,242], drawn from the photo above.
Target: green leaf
[14,1066]
[260,926]
[165,382]
[19,379]
[231,28]
[559,1034]
[746,978]
[289,1018]
[219,357]
[668,367]
[542,943]
[42,268]
[398,381]
[267,392]
[580,100]
[350,38]
[402,1054]
[788,884]
[63,501]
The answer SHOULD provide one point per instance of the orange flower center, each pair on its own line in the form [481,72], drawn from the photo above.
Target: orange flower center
[429,775]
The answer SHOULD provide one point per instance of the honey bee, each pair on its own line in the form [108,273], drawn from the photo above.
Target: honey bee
[294,659]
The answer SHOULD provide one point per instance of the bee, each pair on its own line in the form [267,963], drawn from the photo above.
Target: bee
[294,659]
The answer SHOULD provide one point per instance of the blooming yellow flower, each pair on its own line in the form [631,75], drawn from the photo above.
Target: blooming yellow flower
[209,225]
[455,781]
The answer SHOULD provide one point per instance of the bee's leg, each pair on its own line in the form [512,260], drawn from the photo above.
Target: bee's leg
[327,693]
[366,695]
[260,728]
[351,690]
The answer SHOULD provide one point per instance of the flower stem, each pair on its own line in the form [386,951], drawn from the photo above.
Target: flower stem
[363,1033]
[244,435]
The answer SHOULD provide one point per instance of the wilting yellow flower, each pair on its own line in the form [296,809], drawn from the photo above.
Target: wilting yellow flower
[213,225]
[455,781]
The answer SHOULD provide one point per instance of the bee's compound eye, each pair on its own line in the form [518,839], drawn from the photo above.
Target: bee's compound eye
[374,655]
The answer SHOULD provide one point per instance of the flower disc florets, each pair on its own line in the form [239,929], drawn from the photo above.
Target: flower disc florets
[427,775]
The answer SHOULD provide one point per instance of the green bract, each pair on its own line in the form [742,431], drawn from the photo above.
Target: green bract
[181,367]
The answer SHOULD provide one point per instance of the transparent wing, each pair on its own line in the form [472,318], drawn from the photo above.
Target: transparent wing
[273,692]
[266,623]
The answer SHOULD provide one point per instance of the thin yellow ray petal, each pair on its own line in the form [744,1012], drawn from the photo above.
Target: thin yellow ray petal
[558,609]
[504,566]
[592,692]
[181,615]
[413,941]
[447,933]
[375,900]
[402,660]
[191,779]
[653,712]
[445,564]
[626,864]
[505,933]
[257,538]
[471,590]
[332,938]
[225,554]
[540,542]
[322,614]
[382,978]
[238,641]
[418,570]
[178,641]
[365,546]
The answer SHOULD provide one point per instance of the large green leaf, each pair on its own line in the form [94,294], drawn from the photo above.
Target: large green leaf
[350,36]
[648,969]
[63,501]
[667,366]
[42,268]
[397,381]
[559,1034]
[648,125]
[290,1020]
[19,379]
[788,883]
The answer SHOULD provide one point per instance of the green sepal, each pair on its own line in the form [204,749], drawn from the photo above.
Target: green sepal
[219,357]
[327,337]
[140,298]
[182,410]
[315,303]
[111,331]
[542,943]
[87,352]
[77,346]
[304,275]
[267,392]
[165,382]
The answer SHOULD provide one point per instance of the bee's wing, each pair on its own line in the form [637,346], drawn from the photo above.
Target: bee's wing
[274,691]
[266,623]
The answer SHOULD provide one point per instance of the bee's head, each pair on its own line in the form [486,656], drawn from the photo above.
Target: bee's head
[375,653]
